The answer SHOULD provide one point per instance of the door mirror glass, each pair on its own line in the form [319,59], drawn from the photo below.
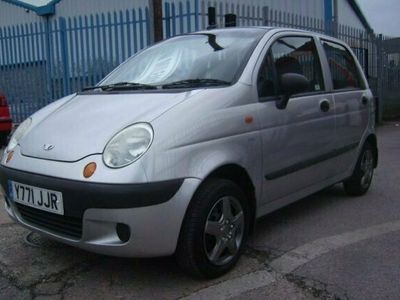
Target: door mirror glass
[291,84]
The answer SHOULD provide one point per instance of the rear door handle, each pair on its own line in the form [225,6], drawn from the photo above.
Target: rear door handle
[324,105]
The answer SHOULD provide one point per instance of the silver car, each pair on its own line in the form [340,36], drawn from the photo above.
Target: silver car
[182,147]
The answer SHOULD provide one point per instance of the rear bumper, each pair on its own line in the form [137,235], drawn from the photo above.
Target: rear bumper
[153,212]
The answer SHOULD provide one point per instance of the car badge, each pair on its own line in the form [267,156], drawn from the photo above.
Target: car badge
[48,147]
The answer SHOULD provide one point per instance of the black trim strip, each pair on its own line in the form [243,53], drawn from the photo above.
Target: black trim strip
[308,163]
[7,120]
[312,94]
[79,195]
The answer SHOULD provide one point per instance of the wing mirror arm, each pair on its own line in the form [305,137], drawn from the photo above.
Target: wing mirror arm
[291,84]
[282,102]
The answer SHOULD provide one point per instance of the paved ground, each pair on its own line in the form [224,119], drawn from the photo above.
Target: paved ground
[327,246]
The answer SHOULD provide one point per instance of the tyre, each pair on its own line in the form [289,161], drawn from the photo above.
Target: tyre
[359,183]
[214,231]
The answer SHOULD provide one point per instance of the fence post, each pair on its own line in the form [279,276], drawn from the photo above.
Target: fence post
[380,75]
[156,22]
[328,16]
[48,59]
[196,15]
[64,55]
[265,12]
[168,20]
[335,19]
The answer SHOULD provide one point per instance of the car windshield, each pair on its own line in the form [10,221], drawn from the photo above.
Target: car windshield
[212,58]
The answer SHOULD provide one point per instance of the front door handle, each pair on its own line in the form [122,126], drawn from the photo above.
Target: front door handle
[324,105]
[364,100]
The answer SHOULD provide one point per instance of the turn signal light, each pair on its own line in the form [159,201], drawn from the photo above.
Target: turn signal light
[89,169]
[248,119]
[9,156]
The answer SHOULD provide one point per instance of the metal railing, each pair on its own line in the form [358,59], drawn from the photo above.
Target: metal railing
[45,61]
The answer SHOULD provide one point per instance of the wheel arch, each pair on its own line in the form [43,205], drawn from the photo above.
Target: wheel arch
[241,177]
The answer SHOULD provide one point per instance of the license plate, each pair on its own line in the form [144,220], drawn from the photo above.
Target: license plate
[43,199]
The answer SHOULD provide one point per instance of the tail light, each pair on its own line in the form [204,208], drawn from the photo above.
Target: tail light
[3,100]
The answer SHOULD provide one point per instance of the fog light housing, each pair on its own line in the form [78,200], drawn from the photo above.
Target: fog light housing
[123,232]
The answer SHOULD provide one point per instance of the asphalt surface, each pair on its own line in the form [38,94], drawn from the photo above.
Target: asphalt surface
[327,246]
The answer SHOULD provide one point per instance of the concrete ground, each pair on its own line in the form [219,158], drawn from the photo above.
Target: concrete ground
[327,246]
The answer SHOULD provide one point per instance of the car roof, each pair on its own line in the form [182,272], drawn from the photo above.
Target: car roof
[258,29]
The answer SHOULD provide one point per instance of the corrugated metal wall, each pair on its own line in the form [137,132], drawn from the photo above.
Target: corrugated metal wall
[253,9]
[308,8]
[71,8]
[14,15]
[347,16]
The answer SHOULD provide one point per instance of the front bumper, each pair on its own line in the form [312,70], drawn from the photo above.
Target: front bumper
[153,212]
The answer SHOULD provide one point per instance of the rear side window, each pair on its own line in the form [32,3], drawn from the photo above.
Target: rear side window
[290,55]
[345,74]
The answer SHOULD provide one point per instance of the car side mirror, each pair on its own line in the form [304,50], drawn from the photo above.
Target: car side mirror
[291,84]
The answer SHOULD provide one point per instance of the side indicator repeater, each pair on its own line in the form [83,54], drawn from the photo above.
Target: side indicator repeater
[248,119]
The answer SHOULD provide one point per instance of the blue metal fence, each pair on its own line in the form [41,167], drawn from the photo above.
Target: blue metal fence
[44,61]
[180,17]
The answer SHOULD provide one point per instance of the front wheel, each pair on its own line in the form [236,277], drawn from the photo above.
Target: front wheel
[359,183]
[214,231]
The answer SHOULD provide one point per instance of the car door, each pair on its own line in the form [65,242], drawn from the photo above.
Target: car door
[297,140]
[351,98]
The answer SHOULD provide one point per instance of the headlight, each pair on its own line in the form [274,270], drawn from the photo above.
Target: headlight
[18,134]
[128,145]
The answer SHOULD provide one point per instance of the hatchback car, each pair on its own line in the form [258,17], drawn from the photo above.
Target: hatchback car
[182,147]
[5,120]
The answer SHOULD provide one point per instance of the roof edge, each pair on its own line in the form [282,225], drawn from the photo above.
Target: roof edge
[44,10]
[360,14]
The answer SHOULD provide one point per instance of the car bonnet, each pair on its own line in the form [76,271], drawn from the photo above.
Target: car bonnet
[84,125]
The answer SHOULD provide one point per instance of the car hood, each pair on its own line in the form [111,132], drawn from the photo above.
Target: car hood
[83,125]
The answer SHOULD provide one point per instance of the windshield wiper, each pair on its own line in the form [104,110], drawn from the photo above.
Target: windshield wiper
[121,86]
[195,83]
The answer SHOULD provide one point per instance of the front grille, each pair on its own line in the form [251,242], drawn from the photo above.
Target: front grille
[63,225]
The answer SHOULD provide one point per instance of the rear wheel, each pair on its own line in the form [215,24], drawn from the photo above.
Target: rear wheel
[214,231]
[359,183]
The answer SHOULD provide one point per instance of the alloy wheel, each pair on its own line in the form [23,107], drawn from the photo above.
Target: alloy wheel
[224,230]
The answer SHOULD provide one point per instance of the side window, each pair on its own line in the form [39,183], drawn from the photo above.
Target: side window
[343,68]
[290,55]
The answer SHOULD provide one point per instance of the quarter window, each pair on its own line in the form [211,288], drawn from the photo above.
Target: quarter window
[266,83]
[343,68]
[290,55]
